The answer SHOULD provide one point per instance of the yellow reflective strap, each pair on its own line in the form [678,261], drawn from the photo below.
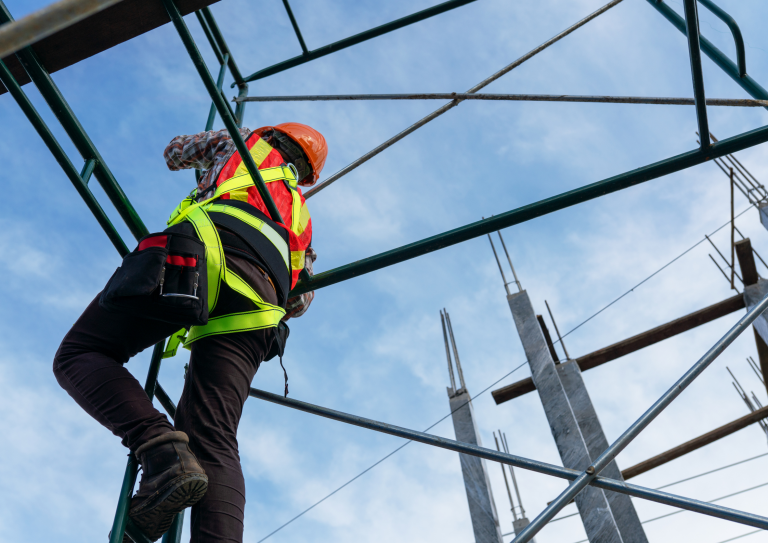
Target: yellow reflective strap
[259,152]
[303,219]
[176,218]
[174,342]
[295,211]
[237,284]
[237,322]
[243,180]
[183,206]
[214,252]
[297,260]
[270,233]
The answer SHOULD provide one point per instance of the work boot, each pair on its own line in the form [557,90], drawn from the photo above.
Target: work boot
[171,480]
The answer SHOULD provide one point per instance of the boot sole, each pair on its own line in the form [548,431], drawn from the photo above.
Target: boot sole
[155,515]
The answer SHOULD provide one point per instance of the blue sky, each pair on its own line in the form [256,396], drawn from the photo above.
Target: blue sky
[373,345]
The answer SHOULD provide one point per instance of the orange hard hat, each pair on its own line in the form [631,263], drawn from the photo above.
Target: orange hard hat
[311,142]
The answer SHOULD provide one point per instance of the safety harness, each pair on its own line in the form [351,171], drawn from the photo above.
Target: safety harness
[199,215]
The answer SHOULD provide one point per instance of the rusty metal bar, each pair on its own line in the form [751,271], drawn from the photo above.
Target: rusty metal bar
[734,102]
[15,36]
[696,443]
[391,141]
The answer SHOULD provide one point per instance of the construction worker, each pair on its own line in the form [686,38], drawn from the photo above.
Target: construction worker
[223,270]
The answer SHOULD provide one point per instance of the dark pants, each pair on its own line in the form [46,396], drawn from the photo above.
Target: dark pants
[89,366]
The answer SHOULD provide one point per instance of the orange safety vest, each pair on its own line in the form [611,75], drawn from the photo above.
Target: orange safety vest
[285,192]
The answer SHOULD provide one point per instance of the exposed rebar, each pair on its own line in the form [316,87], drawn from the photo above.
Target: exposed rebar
[512,472]
[559,338]
[511,266]
[724,260]
[498,263]
[448,353]
[721,270]
[506,483]
[455,351]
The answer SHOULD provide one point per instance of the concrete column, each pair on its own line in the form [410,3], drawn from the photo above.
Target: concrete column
[594,508]
[621,504]
[482,509]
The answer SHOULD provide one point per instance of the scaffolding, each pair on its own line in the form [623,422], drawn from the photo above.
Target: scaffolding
[38,44]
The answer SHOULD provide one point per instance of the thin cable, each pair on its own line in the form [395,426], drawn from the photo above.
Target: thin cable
[710,501]
[369,468]
[678,257]
[740,536]
[712,471]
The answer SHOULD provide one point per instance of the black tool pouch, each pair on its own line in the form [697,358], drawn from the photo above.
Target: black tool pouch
[164,279]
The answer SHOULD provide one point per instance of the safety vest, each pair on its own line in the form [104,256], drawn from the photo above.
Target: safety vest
[285,192]
[235,185]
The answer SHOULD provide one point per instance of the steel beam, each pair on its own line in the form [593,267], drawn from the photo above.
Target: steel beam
[741,57]
[222,45]
[633,344]
[531,211]
[589,475]
[295,25]
[222,107]
[717,56]
[605,483]
[320,52]
[696,443]
[78,181]
[694,52]
[77,134]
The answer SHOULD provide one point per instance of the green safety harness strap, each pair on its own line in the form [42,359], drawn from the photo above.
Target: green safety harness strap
[267,315]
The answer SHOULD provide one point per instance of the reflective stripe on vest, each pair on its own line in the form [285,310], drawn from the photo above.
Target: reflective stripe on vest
[299,224]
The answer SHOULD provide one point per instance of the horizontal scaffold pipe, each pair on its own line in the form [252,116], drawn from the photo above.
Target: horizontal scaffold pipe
[534,210]
[737,102]
[34,27]
[366,35]
[518,461]
[716,55]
